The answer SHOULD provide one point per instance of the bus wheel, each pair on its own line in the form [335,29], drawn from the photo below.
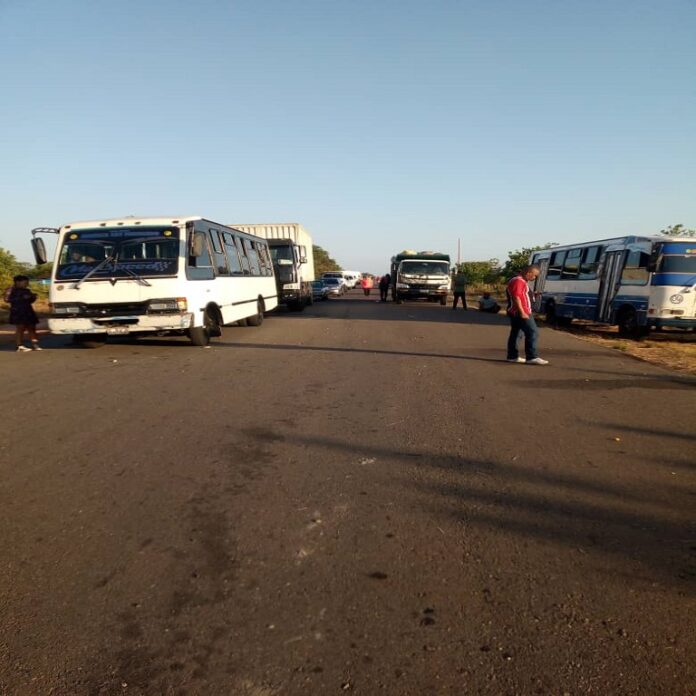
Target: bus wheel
[551,314]
[200,335]
[89,340]
[257,319]
[628,324]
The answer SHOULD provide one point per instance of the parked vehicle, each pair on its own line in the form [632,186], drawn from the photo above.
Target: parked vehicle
[353,278]
[420,275]
[339,275]
[319,290]
[293,260]
[145,276]
[335,286]
[637,283]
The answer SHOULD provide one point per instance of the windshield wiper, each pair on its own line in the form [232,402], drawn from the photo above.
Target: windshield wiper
[133,274]
[98,267]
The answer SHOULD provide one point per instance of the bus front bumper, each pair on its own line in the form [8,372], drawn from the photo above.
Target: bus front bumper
[142,323]
[686,323]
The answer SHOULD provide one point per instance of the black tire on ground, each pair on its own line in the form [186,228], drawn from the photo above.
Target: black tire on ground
[200,335]
[628,325]
[398,299]
[257,319]
[443,300]
[89,340]
[551,317]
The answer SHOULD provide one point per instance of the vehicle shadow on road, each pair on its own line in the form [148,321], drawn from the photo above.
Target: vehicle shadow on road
[649,526]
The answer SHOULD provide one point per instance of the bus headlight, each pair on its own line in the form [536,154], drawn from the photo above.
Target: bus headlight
[176,304]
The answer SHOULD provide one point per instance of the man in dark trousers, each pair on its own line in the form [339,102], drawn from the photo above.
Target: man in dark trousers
[519,312]
[384,282]
[459,289]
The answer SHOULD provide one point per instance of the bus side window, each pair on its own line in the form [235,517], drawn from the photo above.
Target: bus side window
[635,271]
[264,261]
[242,255]
[235,265]
[572,264]
[556,264]
[200,267]
[253,257]
[218,253]
[590,263]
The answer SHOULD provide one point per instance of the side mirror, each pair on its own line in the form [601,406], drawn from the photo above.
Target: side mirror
[303,254]
[39,249]
[197,244]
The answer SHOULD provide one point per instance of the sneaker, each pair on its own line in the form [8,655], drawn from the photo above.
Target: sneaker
[516,360]
[23,349]
[36,346]
[537,361]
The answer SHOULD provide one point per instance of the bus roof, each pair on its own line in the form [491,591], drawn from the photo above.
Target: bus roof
[132,220]
[627,239]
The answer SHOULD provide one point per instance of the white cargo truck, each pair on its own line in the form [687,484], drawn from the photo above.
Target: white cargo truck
[293,260]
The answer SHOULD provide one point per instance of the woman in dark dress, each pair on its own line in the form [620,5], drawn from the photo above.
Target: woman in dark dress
[22,314]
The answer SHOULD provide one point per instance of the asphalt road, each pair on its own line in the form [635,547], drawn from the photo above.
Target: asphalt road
[362,498]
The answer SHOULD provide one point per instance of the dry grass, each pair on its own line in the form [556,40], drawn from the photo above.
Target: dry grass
[672,349]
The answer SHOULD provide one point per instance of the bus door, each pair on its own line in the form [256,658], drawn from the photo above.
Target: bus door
[609,284]
[539,283]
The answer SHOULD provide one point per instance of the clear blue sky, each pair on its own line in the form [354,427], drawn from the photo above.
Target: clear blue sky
[379,124]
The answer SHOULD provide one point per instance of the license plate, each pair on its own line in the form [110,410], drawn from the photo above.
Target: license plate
[114,330]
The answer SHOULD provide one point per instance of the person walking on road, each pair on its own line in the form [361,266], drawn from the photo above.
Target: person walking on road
[459,289]
[22,314]
[384,283]
[366,284]
[519,312]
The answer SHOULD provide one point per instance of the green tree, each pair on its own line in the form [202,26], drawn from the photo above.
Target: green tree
[678,230]
[481,272]
[323,263]
[519,258]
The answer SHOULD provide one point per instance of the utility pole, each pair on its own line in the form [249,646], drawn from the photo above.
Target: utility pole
[459,250]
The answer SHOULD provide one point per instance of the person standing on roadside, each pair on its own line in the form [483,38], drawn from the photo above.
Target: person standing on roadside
[384,283]
[366,284]
[22,314]
[519,312]
[459,289]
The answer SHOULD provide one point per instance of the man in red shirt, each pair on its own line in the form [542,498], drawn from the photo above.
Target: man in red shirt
[521,318]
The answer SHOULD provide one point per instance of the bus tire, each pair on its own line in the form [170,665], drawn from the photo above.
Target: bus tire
[551,317]
[200,335]
[629,326]
[256,319]
[89,340]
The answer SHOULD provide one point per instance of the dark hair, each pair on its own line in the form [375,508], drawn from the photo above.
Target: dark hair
[531,267]
[18,278]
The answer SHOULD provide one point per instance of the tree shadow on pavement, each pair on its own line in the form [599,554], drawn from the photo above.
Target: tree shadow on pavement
[636,522]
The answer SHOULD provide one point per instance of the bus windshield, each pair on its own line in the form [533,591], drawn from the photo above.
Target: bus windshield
[425,267]
[120,252]
[678,264]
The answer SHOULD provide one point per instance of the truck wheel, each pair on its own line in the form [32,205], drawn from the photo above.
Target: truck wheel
[89,340]
[257,319]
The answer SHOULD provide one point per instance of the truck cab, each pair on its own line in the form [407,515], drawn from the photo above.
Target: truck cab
[420,275]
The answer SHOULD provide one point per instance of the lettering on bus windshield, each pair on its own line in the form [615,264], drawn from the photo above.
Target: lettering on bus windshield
[118,253]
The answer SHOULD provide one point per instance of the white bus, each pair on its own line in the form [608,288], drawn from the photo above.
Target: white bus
[130,276]
[637,283]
